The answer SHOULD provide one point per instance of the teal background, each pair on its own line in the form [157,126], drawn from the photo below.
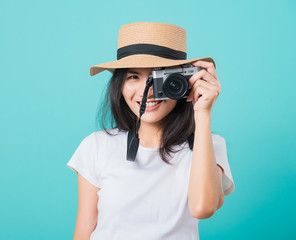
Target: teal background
[49,102]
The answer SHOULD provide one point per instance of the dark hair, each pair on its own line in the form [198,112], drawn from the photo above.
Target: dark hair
[178,126]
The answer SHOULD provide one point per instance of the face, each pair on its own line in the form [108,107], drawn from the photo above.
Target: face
[132,91]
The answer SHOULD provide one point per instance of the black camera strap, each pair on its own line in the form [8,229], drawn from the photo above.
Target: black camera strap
[133,140]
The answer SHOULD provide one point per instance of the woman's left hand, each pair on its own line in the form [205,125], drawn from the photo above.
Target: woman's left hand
[205,83]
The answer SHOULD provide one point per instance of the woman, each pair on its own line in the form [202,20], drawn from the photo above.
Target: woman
[180,173]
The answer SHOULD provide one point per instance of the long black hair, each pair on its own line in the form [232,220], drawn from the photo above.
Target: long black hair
[178,126]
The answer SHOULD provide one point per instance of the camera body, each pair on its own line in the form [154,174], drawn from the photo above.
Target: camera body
[172,82]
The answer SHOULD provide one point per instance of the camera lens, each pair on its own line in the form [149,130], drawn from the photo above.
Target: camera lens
[175,86]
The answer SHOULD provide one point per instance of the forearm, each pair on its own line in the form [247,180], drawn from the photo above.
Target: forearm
[204,185]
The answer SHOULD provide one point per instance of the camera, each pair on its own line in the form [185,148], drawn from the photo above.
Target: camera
[172,82]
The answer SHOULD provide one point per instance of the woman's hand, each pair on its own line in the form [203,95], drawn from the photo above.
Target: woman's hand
[205,83]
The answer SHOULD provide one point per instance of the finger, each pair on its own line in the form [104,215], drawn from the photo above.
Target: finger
[197,83]
[205,75]
[210,89]
[207,65]
[194,93]
[198,92]
[190,96]
[202,74]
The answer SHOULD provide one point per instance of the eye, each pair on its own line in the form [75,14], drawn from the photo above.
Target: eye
[133,77]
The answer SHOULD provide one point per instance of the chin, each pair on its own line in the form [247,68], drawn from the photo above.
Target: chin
[151,119]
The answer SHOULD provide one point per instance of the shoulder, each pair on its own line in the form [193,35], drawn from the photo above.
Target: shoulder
[100,143]
[217,138]
[109,134]
[104,138]
[105,134]
[219,143]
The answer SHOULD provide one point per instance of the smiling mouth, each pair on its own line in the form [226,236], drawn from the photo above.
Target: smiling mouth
[151,104]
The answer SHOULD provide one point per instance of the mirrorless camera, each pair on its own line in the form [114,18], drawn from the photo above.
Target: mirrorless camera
[172,82]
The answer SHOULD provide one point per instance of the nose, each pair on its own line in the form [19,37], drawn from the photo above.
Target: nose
[143,86]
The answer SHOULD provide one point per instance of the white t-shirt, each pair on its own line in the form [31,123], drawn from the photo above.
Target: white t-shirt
[145,199]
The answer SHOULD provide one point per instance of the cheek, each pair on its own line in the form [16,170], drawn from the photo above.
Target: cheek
[172,104]
[128,90]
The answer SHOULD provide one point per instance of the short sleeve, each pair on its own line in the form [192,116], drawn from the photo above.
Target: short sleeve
[222,160]
[85,160]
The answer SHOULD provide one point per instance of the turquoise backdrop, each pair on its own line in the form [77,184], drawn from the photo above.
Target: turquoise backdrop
[49,102]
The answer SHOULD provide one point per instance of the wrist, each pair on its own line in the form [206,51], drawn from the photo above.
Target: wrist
[202,121]
[202,115]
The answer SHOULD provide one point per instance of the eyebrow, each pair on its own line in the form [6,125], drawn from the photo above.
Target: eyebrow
[133,72]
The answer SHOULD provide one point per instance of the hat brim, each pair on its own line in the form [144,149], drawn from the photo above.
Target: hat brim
[142,61]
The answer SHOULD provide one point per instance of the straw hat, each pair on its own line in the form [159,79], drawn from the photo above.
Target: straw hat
[149,45]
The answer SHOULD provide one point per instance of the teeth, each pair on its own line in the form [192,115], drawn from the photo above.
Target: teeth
[150,104]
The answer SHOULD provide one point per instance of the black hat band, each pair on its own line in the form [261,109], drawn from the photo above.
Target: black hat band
[150,49]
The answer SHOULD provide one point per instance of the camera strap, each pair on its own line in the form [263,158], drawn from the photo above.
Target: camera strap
[133,140]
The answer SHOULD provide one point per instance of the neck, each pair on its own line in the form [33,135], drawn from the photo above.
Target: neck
[150,135]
